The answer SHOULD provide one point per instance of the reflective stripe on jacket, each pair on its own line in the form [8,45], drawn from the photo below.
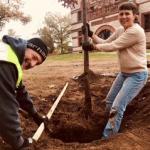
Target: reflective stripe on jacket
[7,54]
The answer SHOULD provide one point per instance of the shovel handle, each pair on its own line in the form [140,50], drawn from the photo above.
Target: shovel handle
[41,128]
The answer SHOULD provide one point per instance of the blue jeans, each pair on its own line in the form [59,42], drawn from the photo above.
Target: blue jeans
[125,87]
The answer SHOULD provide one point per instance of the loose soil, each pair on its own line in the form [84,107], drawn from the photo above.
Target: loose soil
[69,129]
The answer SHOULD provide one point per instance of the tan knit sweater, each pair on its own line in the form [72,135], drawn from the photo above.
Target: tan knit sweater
[130,45]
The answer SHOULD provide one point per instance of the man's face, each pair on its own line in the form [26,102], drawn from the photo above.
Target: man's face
[126,18]
[31,59]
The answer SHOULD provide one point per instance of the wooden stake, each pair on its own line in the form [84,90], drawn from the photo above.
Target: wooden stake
[87,92]
[41,128]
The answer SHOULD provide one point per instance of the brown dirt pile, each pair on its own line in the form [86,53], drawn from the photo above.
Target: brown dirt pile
[70,130]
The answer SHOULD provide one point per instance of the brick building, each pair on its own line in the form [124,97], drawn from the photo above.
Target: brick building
[102,17]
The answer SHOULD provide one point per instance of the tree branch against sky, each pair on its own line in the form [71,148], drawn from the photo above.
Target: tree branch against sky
[68,3]
[11,11]
[37,14]
[57,28]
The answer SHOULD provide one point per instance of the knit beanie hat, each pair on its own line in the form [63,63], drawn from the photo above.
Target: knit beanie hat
[39,46]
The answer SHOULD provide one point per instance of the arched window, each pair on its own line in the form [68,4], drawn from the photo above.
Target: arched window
[105,31]
[104,34]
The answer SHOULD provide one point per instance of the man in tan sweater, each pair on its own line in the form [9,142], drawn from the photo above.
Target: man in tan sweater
[130,43]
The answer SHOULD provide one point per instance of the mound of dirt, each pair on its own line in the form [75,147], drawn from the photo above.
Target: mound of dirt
[70,130]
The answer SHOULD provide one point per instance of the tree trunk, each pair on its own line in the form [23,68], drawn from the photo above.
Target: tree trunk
[61,46]
[87,102]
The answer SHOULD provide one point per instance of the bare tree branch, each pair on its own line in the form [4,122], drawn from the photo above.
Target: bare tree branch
[10,11]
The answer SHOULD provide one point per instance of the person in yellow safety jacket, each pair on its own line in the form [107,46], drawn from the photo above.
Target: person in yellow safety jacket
[16,55]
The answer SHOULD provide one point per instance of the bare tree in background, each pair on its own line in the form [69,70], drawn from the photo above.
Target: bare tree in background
[57,28]
[10,10]
[46,36]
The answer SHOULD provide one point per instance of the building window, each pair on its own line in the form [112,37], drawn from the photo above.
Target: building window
[147,22]
[104,34]
[80,38]
[79,16]
[92,8]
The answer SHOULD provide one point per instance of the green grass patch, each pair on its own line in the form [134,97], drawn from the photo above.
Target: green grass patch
[79,56]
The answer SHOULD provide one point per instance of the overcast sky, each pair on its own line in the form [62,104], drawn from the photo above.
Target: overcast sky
[37,10]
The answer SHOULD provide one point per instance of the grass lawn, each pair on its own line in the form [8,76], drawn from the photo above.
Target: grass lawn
[73,57]
[79,57]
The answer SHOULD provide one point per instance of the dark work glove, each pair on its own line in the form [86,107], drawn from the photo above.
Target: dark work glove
[38,119]
[26,144]
[87,46]
[90,33]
